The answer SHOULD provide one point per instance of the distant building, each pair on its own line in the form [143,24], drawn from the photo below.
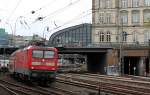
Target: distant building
[19,41]
[74,36]
[3,37]
[24,40]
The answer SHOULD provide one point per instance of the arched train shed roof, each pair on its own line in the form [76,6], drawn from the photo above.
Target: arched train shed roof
[85,28]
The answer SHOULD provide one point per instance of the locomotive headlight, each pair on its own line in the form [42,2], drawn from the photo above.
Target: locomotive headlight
[36,63]
[50,64]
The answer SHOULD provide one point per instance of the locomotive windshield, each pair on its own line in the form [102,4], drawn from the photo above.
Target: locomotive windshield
[48,54]
[42,54]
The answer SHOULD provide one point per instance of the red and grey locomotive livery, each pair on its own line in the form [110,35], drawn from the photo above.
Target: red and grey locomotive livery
[34,63]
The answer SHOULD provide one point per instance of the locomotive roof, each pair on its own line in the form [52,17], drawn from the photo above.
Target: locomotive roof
[30,47]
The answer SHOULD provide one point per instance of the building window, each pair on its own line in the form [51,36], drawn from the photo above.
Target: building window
[102,3]
[124,17]
[135,3]
[108,18]
[146,16]
[146,36]
[124,36]
[58,39]
[135,17]
[108,3]
[101,18]
[101,36]
[147,2]
[135,37]
[99,4]
[124,3]
[108,37]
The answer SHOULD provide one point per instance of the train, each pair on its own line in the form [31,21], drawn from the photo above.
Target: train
[37,64]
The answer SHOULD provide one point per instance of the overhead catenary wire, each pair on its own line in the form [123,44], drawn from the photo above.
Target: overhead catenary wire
[57,11]
[25,22]
[40,8]
[13,11]
[62,9]
[81,15]
[77,17]
[44,6]
[74,19]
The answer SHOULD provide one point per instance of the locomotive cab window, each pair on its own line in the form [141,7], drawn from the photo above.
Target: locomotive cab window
[48,54]
[37,54]
[42,54]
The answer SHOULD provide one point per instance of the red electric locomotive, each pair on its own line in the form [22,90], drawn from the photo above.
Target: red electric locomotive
[34,63]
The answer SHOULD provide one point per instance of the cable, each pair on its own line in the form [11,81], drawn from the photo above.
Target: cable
[46,5]
[39,9]
[77,17]
[54,13]
[14,9]
[59,10]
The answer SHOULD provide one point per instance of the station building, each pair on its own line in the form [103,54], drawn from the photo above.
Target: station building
[77,36]
[125,25]
[121,27]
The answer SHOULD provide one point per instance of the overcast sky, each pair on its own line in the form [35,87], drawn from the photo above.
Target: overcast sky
[20,16]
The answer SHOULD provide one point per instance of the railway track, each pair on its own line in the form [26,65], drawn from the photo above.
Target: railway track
[59,91]
[22,90]
[112,79]
[7,90]
[90,86]
[119,86]
[17,89]
[127,77]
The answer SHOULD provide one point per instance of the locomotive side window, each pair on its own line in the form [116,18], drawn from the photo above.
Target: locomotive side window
[48,54]
[37,54]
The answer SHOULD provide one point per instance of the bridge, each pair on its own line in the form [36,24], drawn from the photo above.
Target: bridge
[7,49]
[74,48]
[102,55]
[98,56]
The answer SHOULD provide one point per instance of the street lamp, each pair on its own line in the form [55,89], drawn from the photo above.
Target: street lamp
[14,38]
[47,29]
[121,59]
